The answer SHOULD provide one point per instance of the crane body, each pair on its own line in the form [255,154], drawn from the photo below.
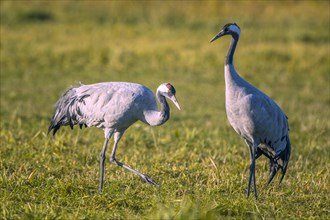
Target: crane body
[113,107]
[254,116]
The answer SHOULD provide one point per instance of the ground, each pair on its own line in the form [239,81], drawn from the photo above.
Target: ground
[200,162]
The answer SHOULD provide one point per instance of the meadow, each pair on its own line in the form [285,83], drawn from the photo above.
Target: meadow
[200,162]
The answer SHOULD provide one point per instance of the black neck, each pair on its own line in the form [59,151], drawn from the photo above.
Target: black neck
[165,109]
[231,50]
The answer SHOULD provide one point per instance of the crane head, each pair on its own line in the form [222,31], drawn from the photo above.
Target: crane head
[228,29]
[167,90]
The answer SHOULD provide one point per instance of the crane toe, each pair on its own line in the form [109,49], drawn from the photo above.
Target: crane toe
[147,179]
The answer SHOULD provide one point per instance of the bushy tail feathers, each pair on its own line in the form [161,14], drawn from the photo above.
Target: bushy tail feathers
[63,114]
[286,157]
[281,161]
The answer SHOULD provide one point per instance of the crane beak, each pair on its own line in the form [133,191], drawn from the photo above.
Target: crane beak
[220,34]
[175,101]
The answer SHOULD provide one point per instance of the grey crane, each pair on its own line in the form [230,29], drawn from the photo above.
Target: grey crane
[113,106]
[254,116]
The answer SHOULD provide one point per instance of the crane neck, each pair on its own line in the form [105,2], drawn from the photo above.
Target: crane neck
[232,78]
[164,113]
[231,50]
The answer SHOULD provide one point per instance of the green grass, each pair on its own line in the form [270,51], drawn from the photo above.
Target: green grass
[200,162]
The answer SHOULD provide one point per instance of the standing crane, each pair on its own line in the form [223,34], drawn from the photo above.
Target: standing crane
[113,106]
[254,116]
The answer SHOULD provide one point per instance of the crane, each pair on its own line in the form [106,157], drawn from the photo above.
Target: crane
[113,106]
[254,116]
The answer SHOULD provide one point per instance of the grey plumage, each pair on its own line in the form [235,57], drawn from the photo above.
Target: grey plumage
[113,107]
[255,116]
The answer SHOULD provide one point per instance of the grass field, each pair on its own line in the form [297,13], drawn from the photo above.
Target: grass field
[200,162]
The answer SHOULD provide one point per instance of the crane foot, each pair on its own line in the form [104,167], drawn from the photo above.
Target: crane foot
[146,179]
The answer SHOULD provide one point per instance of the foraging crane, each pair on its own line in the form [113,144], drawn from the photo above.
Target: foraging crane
[113,106]
[254,116]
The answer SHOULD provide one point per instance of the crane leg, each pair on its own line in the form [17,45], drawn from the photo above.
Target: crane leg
[102,159]
[145,178]
[252,175]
